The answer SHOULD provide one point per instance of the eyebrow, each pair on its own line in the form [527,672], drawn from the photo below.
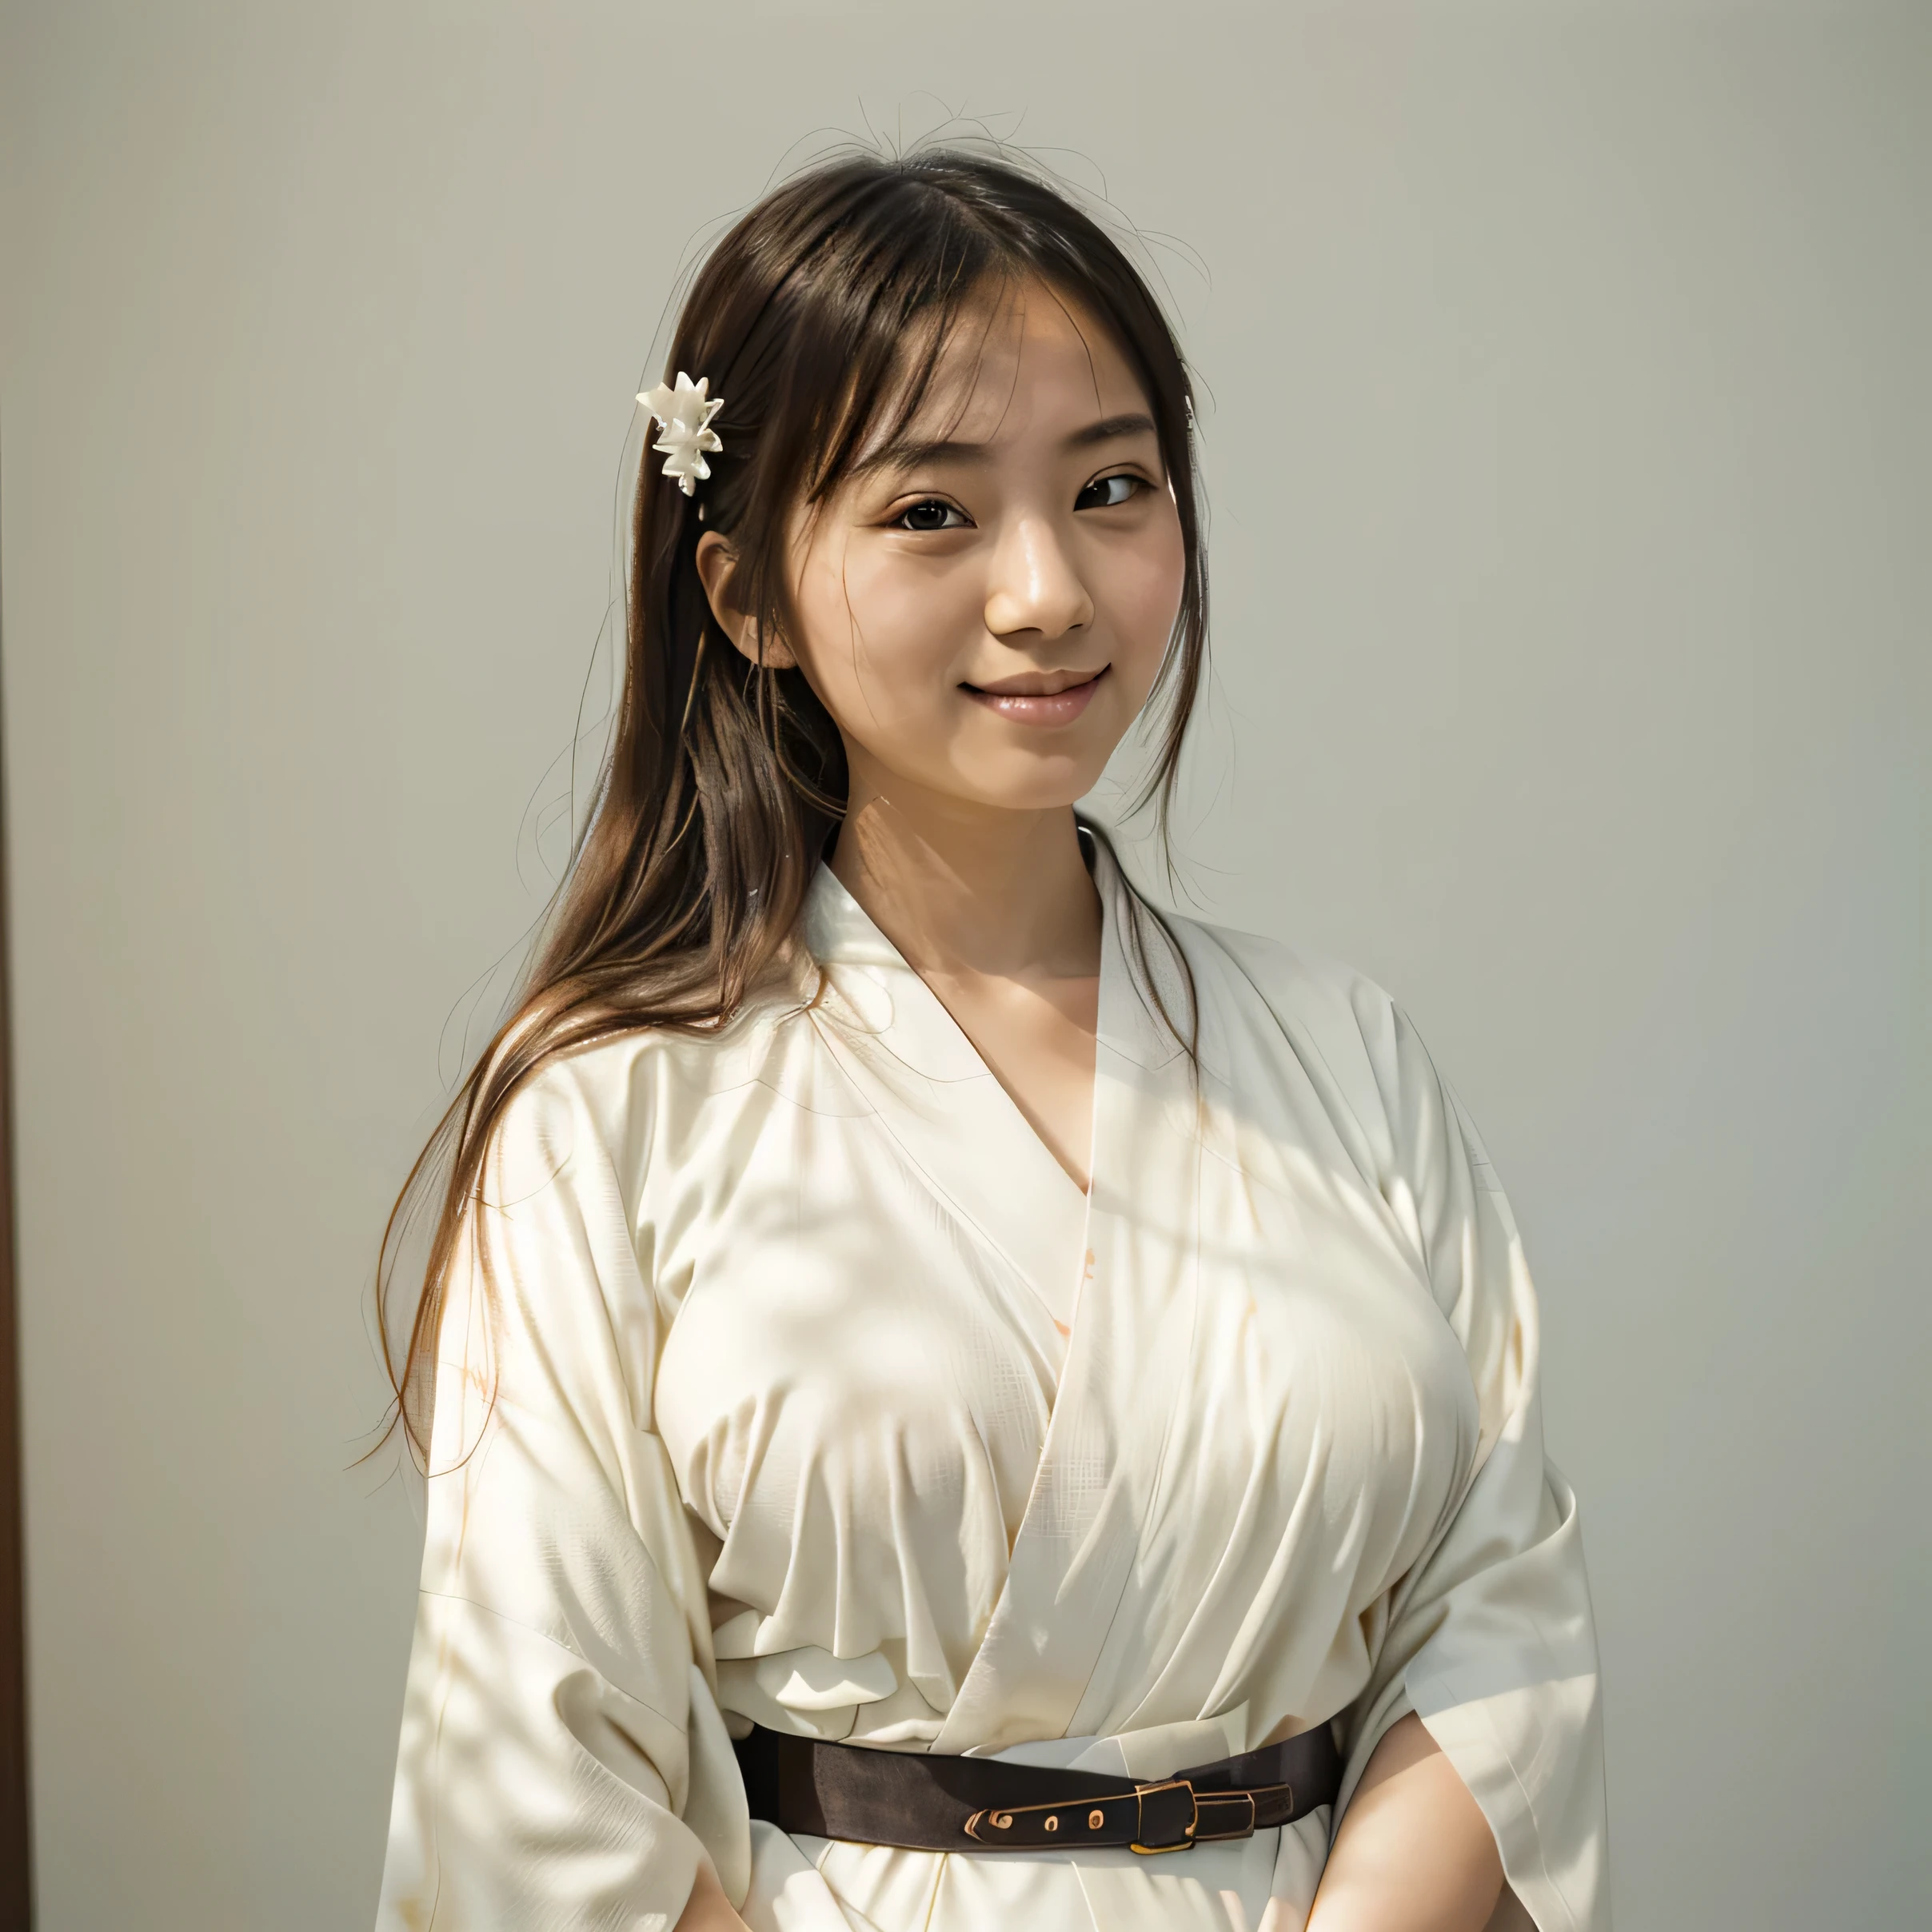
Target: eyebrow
[946,449]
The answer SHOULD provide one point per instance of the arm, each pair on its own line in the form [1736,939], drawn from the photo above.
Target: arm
[1489,1640]
[1415,1853]
[562,1760]
[707,1909]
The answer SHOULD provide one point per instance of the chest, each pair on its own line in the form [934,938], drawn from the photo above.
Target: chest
[853,1354]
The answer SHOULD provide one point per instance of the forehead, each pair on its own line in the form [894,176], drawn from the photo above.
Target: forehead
[1021,359]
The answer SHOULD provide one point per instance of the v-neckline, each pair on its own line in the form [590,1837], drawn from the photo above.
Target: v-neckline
[1073,1555]
[1124,1320]
[956,1118]
[940,1017]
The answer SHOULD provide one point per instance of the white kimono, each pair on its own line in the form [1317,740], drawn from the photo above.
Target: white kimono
[824,1399]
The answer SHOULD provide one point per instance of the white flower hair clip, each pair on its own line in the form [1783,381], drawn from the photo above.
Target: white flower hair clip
[685,413]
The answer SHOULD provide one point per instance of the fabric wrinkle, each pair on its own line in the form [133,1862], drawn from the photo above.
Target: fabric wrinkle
[828,1401]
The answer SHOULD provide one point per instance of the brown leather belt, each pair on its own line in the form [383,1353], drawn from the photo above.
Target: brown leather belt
[872,1797]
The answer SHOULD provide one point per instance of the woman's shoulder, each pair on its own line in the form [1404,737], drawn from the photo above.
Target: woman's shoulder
[1300,985]
[1341,1028]
[641,1082]
[1264,999]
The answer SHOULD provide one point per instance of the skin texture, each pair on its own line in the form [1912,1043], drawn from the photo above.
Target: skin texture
[983,623]
[1414,1853]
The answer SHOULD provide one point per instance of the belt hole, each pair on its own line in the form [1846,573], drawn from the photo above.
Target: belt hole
[1096,1820]
[1053,1823]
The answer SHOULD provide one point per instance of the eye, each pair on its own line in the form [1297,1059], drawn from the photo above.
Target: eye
[1104,492]
[932,514]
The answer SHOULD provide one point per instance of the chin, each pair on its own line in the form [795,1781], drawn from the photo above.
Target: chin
[1038,792]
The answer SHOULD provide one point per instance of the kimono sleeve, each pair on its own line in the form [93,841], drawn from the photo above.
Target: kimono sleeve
[1490,1639]
[563,1761]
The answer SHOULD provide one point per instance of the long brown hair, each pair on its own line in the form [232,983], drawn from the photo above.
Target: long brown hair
[820,318]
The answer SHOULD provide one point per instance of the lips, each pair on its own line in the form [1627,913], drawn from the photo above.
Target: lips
[1060,706]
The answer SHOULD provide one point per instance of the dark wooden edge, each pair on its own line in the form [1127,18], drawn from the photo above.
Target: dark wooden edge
[16,1838]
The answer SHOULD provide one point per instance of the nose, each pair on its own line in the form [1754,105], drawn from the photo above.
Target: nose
[1035,585]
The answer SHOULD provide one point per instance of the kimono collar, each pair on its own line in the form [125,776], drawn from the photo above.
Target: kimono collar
[839,931]
[944,1106]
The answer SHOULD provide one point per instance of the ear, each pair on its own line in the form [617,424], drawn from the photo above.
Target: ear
[717,566]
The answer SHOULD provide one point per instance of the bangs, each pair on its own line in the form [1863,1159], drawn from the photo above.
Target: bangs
[902,351]
[875,430]
[835,318]
[904,277]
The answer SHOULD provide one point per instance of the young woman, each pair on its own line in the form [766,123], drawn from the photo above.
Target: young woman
[959,1402]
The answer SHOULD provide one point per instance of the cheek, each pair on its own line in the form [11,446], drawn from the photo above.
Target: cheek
[880,639]
[1147,579]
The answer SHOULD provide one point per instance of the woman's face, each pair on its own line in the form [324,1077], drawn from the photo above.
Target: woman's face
[984,611]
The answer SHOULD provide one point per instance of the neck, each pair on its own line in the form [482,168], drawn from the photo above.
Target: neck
[962,888]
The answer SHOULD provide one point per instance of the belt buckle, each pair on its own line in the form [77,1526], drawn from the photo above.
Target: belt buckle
[1142,1793]
[1246,1803]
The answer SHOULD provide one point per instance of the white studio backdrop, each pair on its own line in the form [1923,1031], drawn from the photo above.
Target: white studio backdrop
[1568,455]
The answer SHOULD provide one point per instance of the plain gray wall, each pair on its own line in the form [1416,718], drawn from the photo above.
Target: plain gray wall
[1569,465]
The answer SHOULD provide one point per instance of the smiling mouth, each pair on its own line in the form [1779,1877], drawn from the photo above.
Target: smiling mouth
[1059,707]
